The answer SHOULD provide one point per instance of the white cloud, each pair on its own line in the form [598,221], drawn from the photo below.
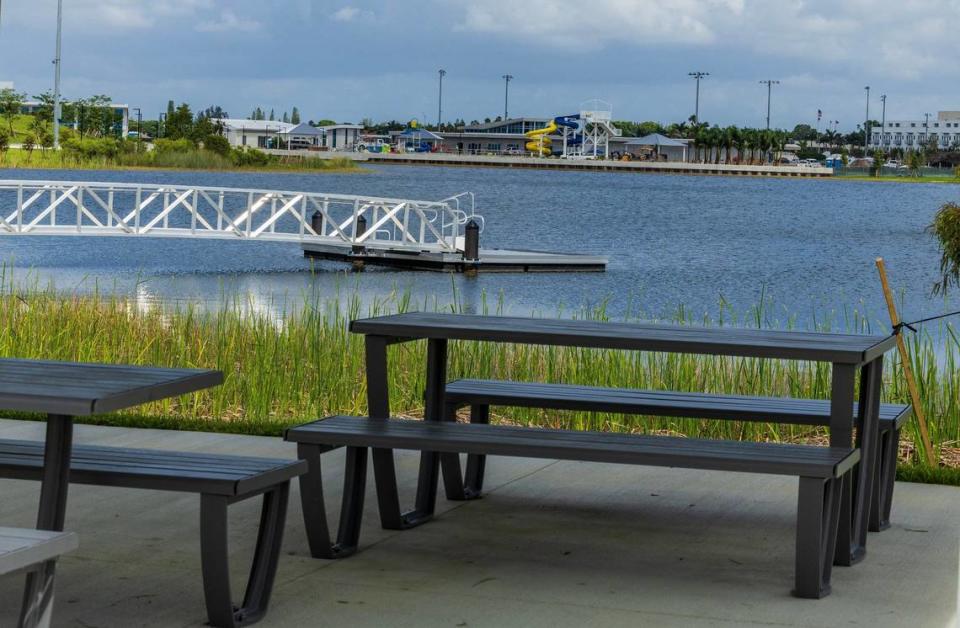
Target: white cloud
[106,15]
[227,22]
[573,23]
[906,40]
[349,14]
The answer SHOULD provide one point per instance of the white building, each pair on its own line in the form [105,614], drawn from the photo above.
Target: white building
[267,133]
[253,133]
[915,134]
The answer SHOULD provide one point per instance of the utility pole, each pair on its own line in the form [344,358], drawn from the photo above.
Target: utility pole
[866,124]
[506,93]
[442,73]
[696,106]
[137,109]
[56,80]
[769,83]
[883,117]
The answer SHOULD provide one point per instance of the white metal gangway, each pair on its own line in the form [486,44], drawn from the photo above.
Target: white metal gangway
[64,208]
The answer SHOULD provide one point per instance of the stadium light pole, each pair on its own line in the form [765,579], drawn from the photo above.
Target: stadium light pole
[696,106]
[883,116]
[56,80]
[866,124]
[769,83]
[506,94]
[442,73]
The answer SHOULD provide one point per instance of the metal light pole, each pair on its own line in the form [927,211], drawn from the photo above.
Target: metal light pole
[442,73]
[866,124]
[883,117]
[506,93]
[696,107]
[56,79]
[137,109]
[769,83]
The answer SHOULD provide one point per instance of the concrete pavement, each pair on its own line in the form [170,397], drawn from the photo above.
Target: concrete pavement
[552,544]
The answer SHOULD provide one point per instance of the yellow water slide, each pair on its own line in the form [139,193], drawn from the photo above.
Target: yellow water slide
[539,142]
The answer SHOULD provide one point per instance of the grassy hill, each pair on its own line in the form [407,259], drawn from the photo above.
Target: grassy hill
[21,127]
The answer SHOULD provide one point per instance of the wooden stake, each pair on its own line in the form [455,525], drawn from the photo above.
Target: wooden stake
[907,368]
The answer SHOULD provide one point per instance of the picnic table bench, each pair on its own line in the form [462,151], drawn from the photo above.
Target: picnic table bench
[25,550]
[835,486]
[62,390]
[480,394]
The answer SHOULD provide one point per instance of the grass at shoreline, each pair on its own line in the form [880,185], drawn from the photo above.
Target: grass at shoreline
[48,160]
[304,364]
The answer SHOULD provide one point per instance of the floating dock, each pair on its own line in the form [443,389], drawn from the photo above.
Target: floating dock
[435,259]
[410,234]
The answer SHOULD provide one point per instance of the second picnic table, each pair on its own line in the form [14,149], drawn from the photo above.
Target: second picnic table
[847,353]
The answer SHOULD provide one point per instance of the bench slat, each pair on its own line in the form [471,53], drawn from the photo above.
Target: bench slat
[655,402]
[153,469]
[773,458]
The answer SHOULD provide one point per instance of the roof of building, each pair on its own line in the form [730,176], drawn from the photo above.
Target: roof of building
[303,129]
[497,123]
[655,139]
[255,125]
[422,134]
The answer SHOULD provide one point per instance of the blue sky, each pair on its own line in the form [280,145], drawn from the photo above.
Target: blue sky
[379,58]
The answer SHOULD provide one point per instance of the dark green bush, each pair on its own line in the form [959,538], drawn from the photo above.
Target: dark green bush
[217,144]
[250,157]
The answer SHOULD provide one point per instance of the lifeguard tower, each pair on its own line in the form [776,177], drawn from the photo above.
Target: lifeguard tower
[597,128]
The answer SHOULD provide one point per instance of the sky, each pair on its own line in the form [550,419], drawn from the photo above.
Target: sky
[353,59]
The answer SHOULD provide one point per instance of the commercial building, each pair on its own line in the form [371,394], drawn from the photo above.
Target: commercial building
[121,110]
[916,134]
[507,137]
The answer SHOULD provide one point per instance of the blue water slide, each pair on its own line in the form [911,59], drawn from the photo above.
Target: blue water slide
[572,121]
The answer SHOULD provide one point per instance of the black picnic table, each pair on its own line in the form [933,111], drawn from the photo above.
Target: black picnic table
[848,354]
[64,390]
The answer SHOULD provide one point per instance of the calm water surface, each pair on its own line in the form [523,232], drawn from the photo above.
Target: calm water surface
[804,247]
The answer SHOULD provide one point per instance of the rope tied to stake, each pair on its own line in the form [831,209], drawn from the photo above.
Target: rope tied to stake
[912,324]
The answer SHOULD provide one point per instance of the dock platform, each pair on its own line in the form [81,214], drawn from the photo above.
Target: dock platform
[436,259]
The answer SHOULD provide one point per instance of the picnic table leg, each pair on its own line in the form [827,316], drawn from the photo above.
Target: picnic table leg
[868,441]
[38,593]
[841,435]
[817,519]
[476,463]
[883,480]
[384,470]
[858,482]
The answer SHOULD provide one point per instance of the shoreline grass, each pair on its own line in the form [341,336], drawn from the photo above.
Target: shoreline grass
[197,161]
[303,364]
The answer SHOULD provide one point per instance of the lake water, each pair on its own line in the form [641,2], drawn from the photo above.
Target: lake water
[806,247]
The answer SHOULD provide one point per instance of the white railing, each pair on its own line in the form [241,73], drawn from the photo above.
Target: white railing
[162,210]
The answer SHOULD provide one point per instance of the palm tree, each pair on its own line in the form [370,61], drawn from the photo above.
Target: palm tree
[741,143]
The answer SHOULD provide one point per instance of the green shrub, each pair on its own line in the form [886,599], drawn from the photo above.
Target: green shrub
[250,157]
[182,145]
[217,144]
[99,149]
